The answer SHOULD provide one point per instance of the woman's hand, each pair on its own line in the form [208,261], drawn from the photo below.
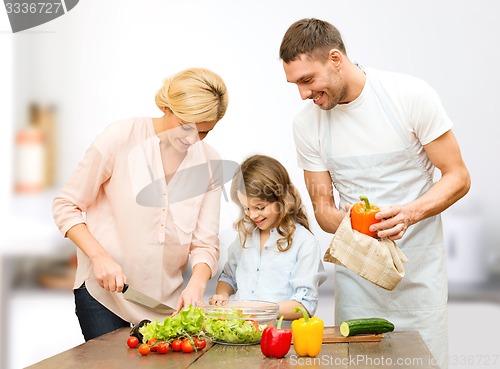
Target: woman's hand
[108,273]
[195,288]
[192,294]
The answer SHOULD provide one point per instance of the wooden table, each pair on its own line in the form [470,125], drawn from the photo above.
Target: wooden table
[396,350]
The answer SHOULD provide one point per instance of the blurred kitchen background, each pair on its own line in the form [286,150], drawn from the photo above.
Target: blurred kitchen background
[62,82]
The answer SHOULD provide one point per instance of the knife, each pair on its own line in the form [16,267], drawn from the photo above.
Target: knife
[138,298]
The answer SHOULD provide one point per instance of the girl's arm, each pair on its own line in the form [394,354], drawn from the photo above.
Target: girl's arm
[286,309]
[222,292]
[308,273]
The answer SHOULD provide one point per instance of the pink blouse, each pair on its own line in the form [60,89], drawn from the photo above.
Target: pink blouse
[148,227]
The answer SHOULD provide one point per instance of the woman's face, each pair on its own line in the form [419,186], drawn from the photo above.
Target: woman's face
[263,213]
[181,135]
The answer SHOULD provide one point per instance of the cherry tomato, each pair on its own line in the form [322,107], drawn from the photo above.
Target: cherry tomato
[163,348]
[255,324]
[187,346]
[132,342]
[177,345]
[144,349]
[200,344]
[152,344]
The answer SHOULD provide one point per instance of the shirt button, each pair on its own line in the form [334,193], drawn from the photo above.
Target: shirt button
[258,269]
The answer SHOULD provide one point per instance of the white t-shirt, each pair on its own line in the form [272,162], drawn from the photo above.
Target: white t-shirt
[361,127]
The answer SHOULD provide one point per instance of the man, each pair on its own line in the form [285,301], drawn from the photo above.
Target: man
[378,134]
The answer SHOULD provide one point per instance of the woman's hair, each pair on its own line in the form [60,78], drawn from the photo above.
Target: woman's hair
[266,178]
[194,95]
[312,37]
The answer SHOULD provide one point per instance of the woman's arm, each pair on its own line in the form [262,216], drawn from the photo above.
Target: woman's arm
[108,273]
[193,293]
[78,194]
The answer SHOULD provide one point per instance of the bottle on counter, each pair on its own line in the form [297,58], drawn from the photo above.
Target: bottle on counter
[35,152]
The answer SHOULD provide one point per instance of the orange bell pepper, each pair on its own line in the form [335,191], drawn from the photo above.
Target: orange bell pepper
[363,216]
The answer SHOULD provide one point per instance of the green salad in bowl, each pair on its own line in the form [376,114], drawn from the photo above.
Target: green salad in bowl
[239,322]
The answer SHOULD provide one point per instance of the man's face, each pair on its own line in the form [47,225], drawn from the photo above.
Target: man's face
[317,80]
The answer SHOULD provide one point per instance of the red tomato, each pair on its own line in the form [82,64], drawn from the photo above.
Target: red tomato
[144,349]
[187,346]
[163,348]
[152,344]
[132,342]
[200,344]
[255,324]
[177,345]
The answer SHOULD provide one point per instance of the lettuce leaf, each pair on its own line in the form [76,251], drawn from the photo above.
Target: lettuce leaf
[231,328]
[188,322]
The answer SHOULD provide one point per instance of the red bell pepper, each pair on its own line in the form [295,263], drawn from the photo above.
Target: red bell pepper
[276,342]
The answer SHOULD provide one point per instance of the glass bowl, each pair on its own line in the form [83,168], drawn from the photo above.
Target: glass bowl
[239,322]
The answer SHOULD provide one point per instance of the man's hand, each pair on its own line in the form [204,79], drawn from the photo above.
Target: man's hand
[395,220]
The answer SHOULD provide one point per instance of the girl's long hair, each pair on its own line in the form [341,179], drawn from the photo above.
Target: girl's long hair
[267,179]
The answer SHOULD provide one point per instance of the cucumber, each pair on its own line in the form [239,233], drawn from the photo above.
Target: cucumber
[365,326]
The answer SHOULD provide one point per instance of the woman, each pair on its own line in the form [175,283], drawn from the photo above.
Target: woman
[143,201]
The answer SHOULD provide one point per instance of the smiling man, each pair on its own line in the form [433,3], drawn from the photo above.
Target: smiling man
[379,134]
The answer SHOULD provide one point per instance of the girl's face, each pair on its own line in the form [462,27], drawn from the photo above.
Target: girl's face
[264,214]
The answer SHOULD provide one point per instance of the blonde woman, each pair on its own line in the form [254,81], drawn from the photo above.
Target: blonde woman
[138,210]
[275,256]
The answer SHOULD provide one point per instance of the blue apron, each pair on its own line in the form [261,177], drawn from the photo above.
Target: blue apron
[419,302]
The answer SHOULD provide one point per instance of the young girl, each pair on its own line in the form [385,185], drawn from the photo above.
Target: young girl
[275,257]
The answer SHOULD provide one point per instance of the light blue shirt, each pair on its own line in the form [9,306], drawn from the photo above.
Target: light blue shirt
[276,276]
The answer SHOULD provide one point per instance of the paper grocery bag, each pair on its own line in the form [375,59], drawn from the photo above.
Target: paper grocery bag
[379,261]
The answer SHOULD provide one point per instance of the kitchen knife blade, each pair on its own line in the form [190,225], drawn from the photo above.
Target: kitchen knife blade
[138,298]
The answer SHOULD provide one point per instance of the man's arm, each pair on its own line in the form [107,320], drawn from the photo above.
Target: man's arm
[444,153]
[320,188]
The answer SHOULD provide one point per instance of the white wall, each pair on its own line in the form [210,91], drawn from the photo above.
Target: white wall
[104,61]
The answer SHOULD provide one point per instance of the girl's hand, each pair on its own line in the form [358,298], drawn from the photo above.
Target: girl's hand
[108,273]
[220,299]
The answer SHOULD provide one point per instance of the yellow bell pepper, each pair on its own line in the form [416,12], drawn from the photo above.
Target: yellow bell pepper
[307,334]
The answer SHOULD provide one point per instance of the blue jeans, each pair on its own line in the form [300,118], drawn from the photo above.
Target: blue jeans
[95,319]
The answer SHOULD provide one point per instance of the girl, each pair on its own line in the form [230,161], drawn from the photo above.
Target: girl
[275,257]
